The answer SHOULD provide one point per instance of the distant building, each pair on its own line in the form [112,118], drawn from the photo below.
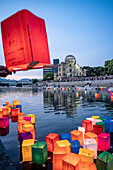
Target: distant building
[47,70]
[55,62]
[69,69]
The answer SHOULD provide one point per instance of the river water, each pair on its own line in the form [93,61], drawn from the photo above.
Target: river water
[55,112]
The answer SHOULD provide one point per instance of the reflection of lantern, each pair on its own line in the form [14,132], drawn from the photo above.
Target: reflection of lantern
[1,114]
[95,117]
[27,149]
[58,155]
[14,118]
[24,136]
[90,144]
[104,161]
[4,122]
[103,125]
[27,119]
[70,161]
[66,136]
[32,117]
[15,112]
[75,146]
[104,141]
[21,116]
[51,139]
[20,107]
[64,143]
[39,152]
[5,111]
[87,124]
[82,129]
[77,94]
[16,102]
[97,95]
[77,135]
[29,128]
[111,98]
[87,166]
[4,131]
[97,129]
[89,135]
[86,155]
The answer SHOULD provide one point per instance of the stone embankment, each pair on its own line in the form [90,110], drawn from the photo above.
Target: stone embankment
[5,161]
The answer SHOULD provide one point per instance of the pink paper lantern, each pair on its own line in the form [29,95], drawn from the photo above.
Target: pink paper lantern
[4,122]
[104,141]
[27,119]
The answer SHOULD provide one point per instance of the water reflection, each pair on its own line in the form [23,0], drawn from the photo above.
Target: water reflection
[4,131]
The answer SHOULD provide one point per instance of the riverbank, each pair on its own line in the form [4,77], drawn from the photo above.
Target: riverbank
[5,161]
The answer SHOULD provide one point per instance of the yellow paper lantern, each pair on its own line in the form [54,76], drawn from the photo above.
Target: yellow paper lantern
[86,155]
[95,117]
[64,143]
[27,149]
[58,154]
[32,117]
[77,135]
[16,102]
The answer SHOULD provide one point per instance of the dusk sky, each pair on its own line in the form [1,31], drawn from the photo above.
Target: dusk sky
[83,28]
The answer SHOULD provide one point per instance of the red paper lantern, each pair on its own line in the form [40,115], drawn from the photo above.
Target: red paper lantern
[24,41]
[97,129]
[4,122]
[15,112]
[51,141]
[87,124]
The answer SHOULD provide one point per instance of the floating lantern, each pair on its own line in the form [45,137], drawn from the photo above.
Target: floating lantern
[20,107]
[95,117]
[104,141]
[66,136]
[9,109]
[87,166]
[103,125]
[14,118]
[77,94]
[39,152]
[27,149]
[58,155]
[32,117]
[104,161]
[93,121]
[97,129]
[4,122]
[4,131]
[24,136]
[64,143]
[51,139]
[20,123]
[5,111]
[21,116]
[15,112]
[16,102]
[55,89]
[6,102]
[89,135]
[109,124]
[27,41]
[1,114]
[97,95]
[98,120]
[77,135]
[90,144]
[82,129]
[86,155]
[27,119]
[70,161]
[75,146]
[29,128]
[107,118]
[87,124]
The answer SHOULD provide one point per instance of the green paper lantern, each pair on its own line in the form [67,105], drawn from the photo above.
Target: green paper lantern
[39,152]
[103,125]
[104,161]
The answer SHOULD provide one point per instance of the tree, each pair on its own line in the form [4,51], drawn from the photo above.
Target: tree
[48,76]
[34,81]
[110,68]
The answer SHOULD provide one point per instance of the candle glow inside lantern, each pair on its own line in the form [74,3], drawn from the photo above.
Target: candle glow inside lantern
[70,161]
[58,155]
[89,135]
[5,111]
[4,122]
[20,107]
[75,146]
[104,161]
[87,124]
[104,141]
[97,129]
[39,152]
[66,136]
[21,116]
[24,136]
[15,112]
[87,166]
[95,117]
[82,129]
[64,143]
[27,150]
[77,135]
[90,144]
[32,117]
[1,114]
[86,155]
[51,139]
[103,125]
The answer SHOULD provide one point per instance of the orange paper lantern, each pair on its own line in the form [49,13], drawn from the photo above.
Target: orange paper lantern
[21,116]
[1,114]
[86,166]
[64,143]
[77,135]
[87,124]
[51,139]
[5,111]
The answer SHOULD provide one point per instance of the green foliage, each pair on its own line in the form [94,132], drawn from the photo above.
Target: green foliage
[110,67]
[34,81]
[48,76]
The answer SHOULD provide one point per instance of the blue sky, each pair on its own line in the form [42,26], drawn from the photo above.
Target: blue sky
[83,28]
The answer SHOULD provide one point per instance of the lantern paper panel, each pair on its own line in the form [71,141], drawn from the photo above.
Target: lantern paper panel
[20,107]
[1,114]
[16,102]
[29,128]
[82,129]
[15,112]
[70,161]
[51,139]
[21,116]
[5,111]
[90,144]
[104,161]
[97,129]
[24,36]
[27,119]
[104,141]
[66,136]
[4,122]
[107,118]
[20,123]
[39,152]
[103,125]
[77,135]
[32,117]
[58,154]
[86,155]
[93,121]
[24,136]
[64,143]
[27,149]
[109,125]
[87,166]
[75,146]
[89,135]
[87,124]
